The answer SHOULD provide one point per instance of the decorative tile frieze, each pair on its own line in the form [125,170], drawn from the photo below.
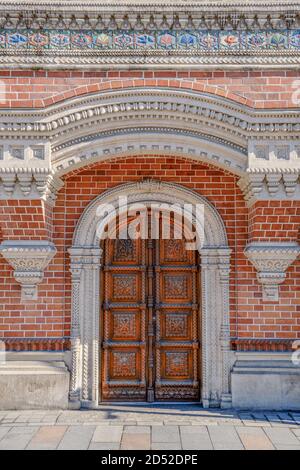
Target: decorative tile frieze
[177,33]
[196,40]
[271,262]
[29,259]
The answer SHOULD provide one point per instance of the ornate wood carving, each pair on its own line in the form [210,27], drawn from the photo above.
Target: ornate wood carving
[150,321]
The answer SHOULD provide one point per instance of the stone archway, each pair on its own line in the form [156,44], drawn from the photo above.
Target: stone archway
[86,255]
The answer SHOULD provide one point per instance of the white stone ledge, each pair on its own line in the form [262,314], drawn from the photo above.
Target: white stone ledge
[33,385]
[269,384]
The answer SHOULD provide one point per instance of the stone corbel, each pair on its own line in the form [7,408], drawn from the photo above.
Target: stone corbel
[29,183]
[29,260]
[271,260]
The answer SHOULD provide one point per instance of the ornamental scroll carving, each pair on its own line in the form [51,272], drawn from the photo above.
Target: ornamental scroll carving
[271,262]
[29,260]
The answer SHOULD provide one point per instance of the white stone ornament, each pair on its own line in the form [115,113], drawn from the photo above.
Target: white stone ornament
[271,262]
[29,260]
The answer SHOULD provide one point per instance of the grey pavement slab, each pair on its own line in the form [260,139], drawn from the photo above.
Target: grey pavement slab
[168,434]
[137,429]
[281,436]
[254,438]
[107,434]
[165,446]
[17,438]
[138,441]
[77,437]
[104,446]
[47,437]
[225,437]
[195,438]
[4,430]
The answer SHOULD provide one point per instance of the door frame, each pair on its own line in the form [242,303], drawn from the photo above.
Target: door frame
[149,255]
[85,259]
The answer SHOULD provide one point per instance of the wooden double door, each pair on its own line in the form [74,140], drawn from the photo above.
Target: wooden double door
[149,321]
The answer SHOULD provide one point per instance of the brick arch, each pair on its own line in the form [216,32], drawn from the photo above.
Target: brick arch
[123,84]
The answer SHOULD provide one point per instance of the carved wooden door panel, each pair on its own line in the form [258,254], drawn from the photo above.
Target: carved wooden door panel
[149,321]
[124,321]
[177,322]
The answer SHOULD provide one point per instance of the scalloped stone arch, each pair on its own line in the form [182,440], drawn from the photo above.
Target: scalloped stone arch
[86,255]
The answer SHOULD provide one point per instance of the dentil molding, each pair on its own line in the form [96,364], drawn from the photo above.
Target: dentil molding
[271,260]
[29,259]
[40,147]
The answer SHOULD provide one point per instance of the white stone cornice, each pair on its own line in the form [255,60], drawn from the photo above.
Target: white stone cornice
[29,259]
[271,260]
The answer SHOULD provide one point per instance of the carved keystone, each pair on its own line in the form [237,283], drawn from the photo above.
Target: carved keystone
[271,262]
[29,260]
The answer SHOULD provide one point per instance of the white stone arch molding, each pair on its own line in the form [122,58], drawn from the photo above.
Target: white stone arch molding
[143,140]
[85,258]
[93,127]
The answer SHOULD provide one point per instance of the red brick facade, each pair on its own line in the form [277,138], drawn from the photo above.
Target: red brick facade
[50,316]
[41,88]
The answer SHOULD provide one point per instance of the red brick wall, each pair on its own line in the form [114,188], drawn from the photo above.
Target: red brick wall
[250,318]
[274,221]
[259,89]
[25,219]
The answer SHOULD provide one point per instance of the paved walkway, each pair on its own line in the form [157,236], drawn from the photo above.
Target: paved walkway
[164,427]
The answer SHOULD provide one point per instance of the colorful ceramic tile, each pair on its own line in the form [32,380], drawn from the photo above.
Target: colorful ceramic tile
[123,40]
[187,40]
[166,40]
[60,39]
[37,39]
[2,39]
[277,40]
[103,40]
[82,40]
[257,40]
[17,39]
[295,39]
[208,41]
[145,40]
[229,40]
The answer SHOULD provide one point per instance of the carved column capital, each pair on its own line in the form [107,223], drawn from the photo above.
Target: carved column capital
[29,260]
[271,260]
[83,256]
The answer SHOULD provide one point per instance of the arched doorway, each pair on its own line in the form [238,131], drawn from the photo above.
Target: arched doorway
[86,256]
[150,319]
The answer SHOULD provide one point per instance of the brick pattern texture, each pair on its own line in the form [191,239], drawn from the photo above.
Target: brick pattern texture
[265,221]
[40,88]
